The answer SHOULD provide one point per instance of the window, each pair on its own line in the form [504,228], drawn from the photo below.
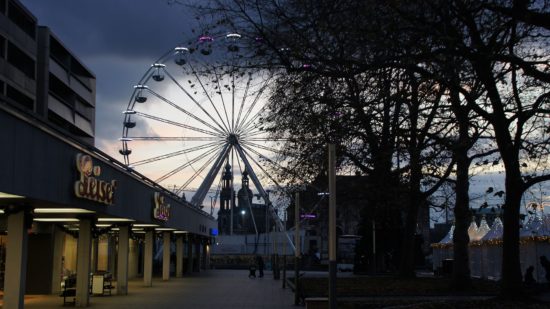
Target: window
[22,19]
[20,60]
[20,98]
[59,53]
[61,91]
[3,7]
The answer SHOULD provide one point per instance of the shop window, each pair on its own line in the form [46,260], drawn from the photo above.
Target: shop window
[19,17]
[20,60]
[20,98]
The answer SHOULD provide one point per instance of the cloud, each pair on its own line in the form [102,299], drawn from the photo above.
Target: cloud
[117,41]
[126,27]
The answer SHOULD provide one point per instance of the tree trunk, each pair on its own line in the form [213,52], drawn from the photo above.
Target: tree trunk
[407,264]
[406,267]
[461,265]
[511,269]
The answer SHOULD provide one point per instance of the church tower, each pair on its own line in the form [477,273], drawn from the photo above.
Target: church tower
[224,214]
[244,197]
[245,194]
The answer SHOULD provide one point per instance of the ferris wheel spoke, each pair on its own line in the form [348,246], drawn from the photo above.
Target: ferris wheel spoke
[233,103]
[243,101]
[249,124]
[220,92]
[175,153]
[195,101]
[253,132]
[176,106]
[183,166]
[266,139]
[264,157]
[251,107]
[262,169]
[175,138]
[177,124]
[197,173]
[276,164]
[209,98]
[201,192]
[251,144]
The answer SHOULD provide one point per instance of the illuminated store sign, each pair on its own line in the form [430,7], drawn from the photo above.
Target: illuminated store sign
[88,186]
[162,209]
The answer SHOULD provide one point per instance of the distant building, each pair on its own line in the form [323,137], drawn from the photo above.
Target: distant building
[248,217]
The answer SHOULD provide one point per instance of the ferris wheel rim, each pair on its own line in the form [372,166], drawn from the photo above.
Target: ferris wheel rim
[232,128]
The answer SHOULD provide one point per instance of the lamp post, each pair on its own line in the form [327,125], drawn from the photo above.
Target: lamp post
[243,214]
[297,250]
[332,225]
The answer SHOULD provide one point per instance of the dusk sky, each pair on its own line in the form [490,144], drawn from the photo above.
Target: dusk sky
[118,40]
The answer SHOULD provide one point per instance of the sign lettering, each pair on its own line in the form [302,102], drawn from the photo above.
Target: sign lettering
[162,209]
[88,186]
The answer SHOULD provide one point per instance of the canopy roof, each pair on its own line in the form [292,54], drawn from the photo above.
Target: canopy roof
[495,232]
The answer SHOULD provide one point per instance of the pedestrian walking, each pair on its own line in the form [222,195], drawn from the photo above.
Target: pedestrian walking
[529,279]
[260,263]
[252,270]
[546,265]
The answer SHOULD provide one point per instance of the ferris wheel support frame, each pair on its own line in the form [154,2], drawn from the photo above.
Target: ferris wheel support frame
[202,191]
[263,193]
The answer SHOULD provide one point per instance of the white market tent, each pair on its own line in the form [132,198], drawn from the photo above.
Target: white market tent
[443,250]
[486,247]
[477,267]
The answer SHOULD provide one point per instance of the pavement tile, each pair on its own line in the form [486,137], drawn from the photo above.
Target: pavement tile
[208,289]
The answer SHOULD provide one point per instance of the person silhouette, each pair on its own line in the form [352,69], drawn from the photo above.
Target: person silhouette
[546,265]
[252,270]
[260,263]
[529,279]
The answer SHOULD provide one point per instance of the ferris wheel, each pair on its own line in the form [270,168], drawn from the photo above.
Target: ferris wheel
[197,110]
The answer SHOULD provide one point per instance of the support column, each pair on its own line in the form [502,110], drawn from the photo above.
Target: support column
[111,254]
[198,256]
[148,258]
[122,269]
[57,265]
[83,255]
[95,254]
[206,256]
[16,261]
[166,239]
[189,255]
[179,256]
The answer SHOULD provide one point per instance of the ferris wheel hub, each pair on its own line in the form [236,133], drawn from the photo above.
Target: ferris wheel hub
[233,139]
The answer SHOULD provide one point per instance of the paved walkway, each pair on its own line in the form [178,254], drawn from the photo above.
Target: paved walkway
[210,289]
